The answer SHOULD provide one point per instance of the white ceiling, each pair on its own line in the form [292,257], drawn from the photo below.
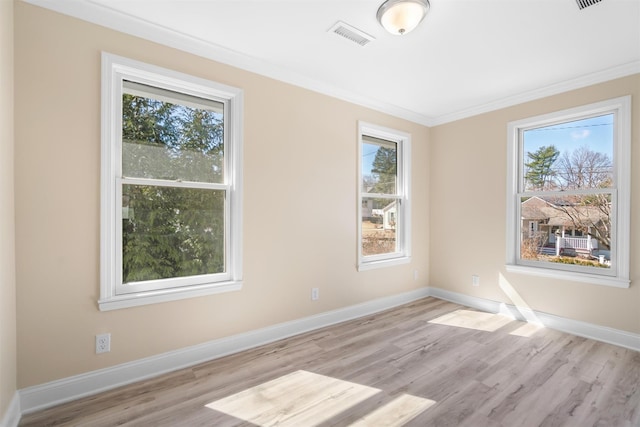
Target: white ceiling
[467,56]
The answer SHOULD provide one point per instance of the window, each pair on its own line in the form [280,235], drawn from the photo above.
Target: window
[384,224]
[568,207]
[171,185]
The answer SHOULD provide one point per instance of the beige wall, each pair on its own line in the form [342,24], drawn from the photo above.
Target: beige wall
[7,248]
[299,218]
[299,205]
[468,190]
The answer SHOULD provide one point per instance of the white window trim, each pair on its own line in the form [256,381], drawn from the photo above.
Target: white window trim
[619,275]
[404,215]
[114,70]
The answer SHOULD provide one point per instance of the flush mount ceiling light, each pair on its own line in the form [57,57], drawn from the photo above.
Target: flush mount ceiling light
[402,16]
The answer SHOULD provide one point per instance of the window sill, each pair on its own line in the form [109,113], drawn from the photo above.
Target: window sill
[592,279]
[371,265]
[153,297]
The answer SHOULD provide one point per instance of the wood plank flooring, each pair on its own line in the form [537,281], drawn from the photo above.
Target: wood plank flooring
[428,363]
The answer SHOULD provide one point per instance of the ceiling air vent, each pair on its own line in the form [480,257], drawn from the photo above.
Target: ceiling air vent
[585,3]
[351,33]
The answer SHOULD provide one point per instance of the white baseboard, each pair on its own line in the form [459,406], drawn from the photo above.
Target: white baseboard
[67,389]
[583,329]
[11,417]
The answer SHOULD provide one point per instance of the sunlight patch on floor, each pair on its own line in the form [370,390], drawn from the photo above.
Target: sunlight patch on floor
[473,320]
[304,399]
[396,413]
[526,330]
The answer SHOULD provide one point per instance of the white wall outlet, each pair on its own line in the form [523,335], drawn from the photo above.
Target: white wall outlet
[315,294]
[475,280]
[103,343]
[415,275]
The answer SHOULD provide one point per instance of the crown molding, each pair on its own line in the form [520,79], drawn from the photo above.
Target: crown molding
[107,17]
[99,14]
[555,89]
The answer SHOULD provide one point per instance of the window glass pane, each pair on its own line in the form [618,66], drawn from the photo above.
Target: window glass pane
[568,229]
[169,137]
[379,226]
[379,166]
[569,156]
[171,232]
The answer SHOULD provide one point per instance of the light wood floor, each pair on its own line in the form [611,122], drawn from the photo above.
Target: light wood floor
[428,363]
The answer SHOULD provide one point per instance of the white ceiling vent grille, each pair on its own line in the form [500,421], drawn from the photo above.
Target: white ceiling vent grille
[351,33]
[585,3]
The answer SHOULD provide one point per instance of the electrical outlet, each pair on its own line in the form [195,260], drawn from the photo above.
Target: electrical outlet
[415,275]
[103,343]
[475,280]
[315,294]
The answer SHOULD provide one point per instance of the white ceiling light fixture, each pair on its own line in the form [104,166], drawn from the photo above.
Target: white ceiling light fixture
[400,17]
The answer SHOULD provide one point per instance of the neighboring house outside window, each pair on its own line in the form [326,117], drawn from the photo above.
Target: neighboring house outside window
[384,224]
[171,185]
[568,211]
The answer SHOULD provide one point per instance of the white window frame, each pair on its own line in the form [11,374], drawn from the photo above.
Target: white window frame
[403,233]
[113,294]
[618,274]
